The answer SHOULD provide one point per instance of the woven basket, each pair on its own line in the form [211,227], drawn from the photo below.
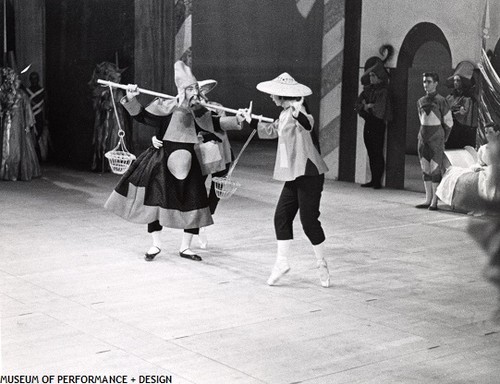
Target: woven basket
[225,187]
[119,161]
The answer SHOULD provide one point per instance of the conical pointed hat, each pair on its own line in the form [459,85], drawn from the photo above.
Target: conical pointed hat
[183,78]
[284,85]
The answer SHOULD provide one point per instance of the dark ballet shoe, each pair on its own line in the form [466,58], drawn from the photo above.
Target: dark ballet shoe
[189,256]
[433,208]
[424,206]
[368,185]
[150,256]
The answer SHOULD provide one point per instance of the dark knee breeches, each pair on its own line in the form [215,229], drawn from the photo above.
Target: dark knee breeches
[302,194]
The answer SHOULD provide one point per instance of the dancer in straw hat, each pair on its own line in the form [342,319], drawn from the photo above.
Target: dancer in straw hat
[165,187]
[300,165]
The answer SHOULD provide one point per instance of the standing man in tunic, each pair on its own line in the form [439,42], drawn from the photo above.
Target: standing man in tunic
[436,122]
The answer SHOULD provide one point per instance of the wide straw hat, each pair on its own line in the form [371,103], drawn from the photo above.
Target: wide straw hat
[206,85]
[284,85]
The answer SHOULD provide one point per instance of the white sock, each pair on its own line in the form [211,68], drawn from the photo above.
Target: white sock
[319,251]
[202,237]
[283,250]
[186,242]
[324,274]
[156,239]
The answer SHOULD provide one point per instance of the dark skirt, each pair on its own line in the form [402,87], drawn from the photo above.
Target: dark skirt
[149,191]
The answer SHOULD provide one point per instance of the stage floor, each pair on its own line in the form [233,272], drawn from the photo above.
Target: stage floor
[408,302]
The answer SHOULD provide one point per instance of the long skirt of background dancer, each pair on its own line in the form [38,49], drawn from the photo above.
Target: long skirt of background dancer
[18,159]
[163,184]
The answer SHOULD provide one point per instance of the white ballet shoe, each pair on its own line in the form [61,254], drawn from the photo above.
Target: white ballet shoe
[279,269]
[324,274]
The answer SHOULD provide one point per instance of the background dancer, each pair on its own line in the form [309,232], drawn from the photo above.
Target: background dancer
[436,122]
[374,106]
[18,158]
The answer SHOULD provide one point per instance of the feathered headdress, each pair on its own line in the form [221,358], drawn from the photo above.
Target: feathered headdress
[377,65]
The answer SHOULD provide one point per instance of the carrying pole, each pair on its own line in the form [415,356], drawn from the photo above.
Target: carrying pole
[165,96]
[141,90]
[220,107]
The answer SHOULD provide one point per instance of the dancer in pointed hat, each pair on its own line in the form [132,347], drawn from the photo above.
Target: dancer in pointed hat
[300,165]
[165,187]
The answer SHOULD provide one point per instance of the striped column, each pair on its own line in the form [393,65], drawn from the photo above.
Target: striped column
[305,6]
[331,84]
[331,78]
[183,31]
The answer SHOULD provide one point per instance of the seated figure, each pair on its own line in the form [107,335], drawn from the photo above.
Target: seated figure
[488,183]
[470,178]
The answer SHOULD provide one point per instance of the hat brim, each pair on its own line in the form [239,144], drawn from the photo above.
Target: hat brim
[289,90]
[207,85]
[378,69]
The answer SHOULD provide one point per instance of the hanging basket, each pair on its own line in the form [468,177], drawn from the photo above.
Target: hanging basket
[119,161]
[119,157]
[225,187]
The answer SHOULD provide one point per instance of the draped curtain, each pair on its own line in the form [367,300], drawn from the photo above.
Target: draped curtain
[241,43]
[154,56]
[489,95]
[30,36]
[79,35]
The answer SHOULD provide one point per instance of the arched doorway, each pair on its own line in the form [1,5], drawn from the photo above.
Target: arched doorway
[424,49]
